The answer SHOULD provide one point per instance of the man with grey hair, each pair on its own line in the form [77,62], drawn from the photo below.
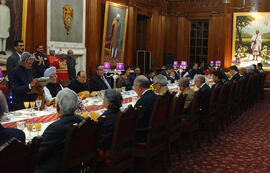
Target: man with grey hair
[54,137]
[186,91]
[199,81]
[112,102]
[160,84]
[8,133]
[146,102]
[21,81]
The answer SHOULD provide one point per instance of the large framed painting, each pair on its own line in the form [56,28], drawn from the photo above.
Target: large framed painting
[66,23]
[251,39]
[13,15]
[114,33]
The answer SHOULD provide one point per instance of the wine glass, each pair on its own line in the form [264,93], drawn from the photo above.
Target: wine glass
[38,127]
[26,105]
[29,127]
[38,103]
[32,105]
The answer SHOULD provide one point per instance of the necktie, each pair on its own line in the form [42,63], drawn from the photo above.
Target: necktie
[106,82]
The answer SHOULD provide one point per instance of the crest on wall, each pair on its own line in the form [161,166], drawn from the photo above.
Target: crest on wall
[68,17]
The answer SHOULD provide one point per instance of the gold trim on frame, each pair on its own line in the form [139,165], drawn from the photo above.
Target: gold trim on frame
[105,30]
[24,20]
[234,31]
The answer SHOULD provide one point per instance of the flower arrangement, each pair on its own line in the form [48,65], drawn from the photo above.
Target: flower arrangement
[80,108]
[152,87]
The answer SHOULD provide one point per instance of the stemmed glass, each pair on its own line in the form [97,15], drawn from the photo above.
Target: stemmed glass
[32,105]
[20,125]
[29,127]
[38,127]
[38,103]
[26,105]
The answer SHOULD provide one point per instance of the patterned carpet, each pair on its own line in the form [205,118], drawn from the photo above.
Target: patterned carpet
[243,148]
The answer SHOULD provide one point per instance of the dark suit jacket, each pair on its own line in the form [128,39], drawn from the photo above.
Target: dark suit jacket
[8,133]
[236,77]
[164,73]
[52,146]
[19,80]
[219,83]
[133,77]
[12,62]
[146,101]
[205,99]
[77,86]
[71,68]
[40,69]
[106,132]
[97,84]
[193,73]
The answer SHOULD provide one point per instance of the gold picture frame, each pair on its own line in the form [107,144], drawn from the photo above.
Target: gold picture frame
[24,20]
[115,15]
[245,26]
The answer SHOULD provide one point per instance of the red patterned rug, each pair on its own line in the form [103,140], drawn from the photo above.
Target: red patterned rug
[243,148]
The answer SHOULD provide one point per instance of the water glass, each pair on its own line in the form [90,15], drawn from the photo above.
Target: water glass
[20,125]
[123,89]
[38,103]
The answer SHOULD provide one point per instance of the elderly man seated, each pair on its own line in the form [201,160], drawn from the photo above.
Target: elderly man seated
[8,133]
[146,102]
[186,91]
[79,84]
[54,137]
[99,81]
[112,102]
[199,81]
[160,84]
[52,88]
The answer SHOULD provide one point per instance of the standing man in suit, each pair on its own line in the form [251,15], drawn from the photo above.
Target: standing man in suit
[41,62]
[8,133]
[71,65]
[169,73]
[147,99]
[99,81]
[235,74]
[54,137]
[15,58]
[21,81]
[199,81]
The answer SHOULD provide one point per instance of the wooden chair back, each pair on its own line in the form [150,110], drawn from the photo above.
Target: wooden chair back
[81,147]
[15,156]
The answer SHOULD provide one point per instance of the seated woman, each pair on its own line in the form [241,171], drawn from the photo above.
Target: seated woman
[217,78]
[112,102]
[52,88]
[160,84]
[124,80]
[8,133]
[186,91]
[207,70]
[260,67]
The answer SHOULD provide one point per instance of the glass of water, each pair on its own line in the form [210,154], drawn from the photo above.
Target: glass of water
[38,104]
[20,125]
[123,89]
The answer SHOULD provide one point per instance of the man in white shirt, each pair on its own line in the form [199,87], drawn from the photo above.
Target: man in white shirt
[256,44]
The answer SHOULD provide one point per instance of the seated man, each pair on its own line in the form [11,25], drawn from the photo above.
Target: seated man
[52,88]
[112,102]
[186,91]
[217,78]
[79,84]
[54,137]
[169,73]
[146,101]
[21,81]
[8,133]
[199,81]
[235,74]
[160,84]
[99,81]
[137,72]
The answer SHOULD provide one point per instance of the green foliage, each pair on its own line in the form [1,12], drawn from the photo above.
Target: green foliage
[243,21]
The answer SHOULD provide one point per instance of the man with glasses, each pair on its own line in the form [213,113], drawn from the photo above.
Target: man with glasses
[41,62]
[21,81]
[52,88]
[79,84]
[15,58]
[99,81]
